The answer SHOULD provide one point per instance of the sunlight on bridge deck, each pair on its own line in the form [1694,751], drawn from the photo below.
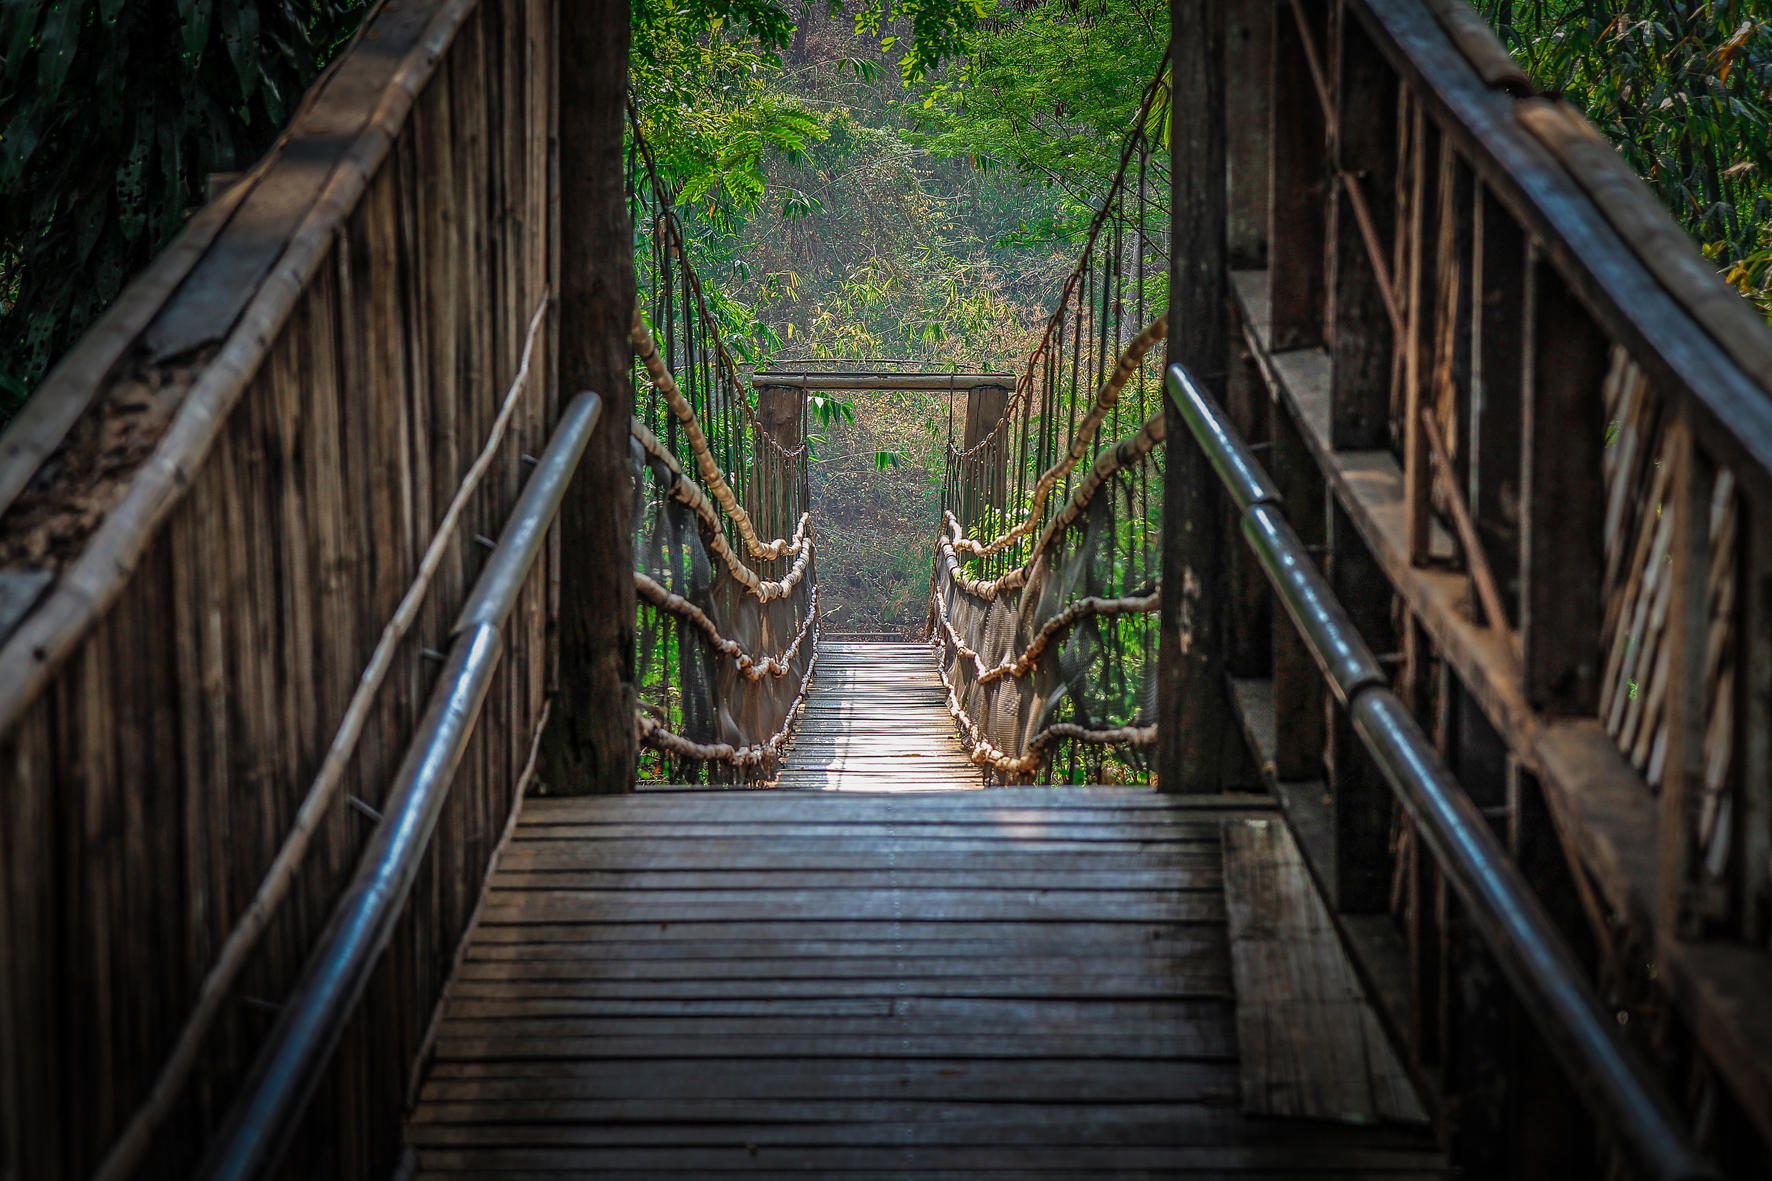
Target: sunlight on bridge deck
[876,720]
[1015,982]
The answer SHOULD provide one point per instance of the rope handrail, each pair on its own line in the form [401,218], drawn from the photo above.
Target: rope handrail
[1026,382]
[687,492]
[749,666]
[1122,454]
[1021,665]
[982,753]
[653,733]
[674,231]
[704,505]
[129,1147]
[1105,401]
[698,442]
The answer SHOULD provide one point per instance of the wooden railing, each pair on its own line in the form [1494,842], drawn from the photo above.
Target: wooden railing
[1528,432]
[214,508]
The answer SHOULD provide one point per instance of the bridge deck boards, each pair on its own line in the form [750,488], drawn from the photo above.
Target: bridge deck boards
[884,985]
[876,719]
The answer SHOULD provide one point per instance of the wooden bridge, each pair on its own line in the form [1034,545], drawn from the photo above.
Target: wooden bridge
[421,753]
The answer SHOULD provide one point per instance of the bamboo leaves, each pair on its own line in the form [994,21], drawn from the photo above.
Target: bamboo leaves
[1682,88]
[113,112]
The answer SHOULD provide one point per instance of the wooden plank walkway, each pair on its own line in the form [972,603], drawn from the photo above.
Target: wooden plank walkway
[1011,982]
[876,719]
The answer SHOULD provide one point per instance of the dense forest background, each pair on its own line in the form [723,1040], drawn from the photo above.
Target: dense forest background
[844,214]
[904,181]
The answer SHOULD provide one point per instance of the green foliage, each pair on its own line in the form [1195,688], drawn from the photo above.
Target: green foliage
[113,115]
[1681,86]
[1048,94]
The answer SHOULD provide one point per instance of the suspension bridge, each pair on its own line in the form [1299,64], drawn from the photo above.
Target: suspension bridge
[1336,746]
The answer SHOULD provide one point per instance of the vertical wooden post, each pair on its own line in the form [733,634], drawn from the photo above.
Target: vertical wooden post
[591,744]
[1197,729]
[1686,904]
[1297,172]
[1249,51]
[1364,156]
[1481,1017]
[781,410]
[1420,889]
[985,472]
[1563,507]
[1249,618]
[1361,799]
[1754,729]
[1498,293]
[1300,697]
[1556,1135]
[1423,284]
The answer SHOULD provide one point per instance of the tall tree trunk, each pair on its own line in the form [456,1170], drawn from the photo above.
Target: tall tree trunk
[591,745]
[1198,743]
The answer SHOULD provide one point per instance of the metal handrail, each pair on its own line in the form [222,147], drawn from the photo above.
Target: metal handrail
[1617,1087]
[300,1045]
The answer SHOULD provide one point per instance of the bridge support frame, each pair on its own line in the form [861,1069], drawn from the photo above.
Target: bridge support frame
[592,745]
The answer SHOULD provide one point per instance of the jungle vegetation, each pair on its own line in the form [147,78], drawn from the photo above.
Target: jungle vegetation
[899,179]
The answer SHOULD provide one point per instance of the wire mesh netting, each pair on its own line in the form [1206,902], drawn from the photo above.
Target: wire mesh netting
[1045,589]
[728,600]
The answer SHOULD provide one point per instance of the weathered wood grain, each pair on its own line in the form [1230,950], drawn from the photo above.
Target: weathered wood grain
[1309,1045]
[840,996]
[159,744]
[876,719]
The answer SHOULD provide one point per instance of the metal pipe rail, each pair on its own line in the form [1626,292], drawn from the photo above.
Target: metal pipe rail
[258,1128]
[1622,1095]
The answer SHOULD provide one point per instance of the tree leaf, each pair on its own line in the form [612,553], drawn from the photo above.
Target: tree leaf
[61,35]
[239,28]
[194,17]
[21,138]
[18,22]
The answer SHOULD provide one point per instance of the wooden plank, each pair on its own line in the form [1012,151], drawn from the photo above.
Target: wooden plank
[1248,79]
[1563,501]
[897,981]
[909,930]
[833,1038]
[1498,326]
[1010,942]
[567,988]
[1058,1173]
[621,1121]
[730,1156]
[1201,875]
[859,906]
[616,1123]
[1299,170]
[1034,1017]
[826,962]
[735,857]
[1360,797]
[1299,695]
[669,797]
[1309,1045]
[1151,828]
[1195,747]
[1052,1080]
[1361,335]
